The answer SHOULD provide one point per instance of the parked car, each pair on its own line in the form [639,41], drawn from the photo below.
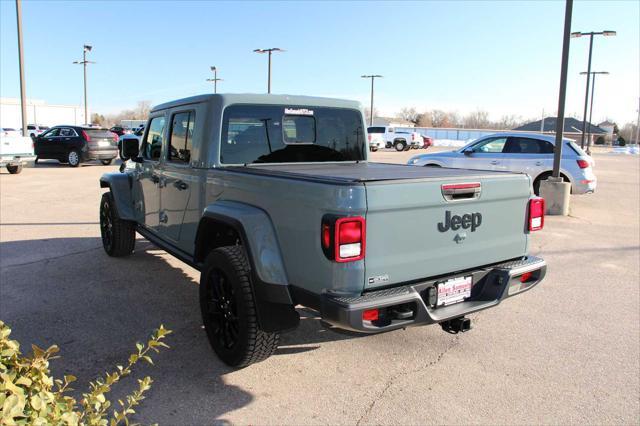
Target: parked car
[119,130]
[75,144]
[273,200]
[34,130]
[428,141]
[530,153]
[16,152]
[10,131]
[376,141]
[398,139]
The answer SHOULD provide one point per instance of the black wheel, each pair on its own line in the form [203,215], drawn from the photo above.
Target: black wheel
[400,146]
[228,309]
[106,162]
[373,149]
[14,169]
[73,158]
[118,236]
[36,160]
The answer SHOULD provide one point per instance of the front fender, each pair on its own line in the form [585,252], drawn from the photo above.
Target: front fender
[120,186]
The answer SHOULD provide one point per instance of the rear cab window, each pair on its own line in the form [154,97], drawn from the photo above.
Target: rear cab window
[253,134]
[375,130]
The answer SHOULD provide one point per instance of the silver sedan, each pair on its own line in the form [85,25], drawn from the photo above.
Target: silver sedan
[530,153]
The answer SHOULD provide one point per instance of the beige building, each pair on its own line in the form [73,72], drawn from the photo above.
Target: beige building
[39,112]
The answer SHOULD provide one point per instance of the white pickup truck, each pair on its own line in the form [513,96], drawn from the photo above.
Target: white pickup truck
[401,140]
[16,152]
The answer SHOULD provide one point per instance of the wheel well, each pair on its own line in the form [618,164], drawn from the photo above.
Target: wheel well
[399,140]
[548,173]
[213,234]
[432,165]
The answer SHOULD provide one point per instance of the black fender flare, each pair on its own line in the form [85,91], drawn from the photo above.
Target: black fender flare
[120,186]
[274,304]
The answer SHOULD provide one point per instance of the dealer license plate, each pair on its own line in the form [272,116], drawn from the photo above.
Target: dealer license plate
[104,143]
[454,290]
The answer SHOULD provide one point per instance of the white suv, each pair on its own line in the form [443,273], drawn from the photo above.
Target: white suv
[530,153]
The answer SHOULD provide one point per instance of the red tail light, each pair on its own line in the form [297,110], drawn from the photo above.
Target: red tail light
[349,239]
[536,214]
[115,137]
[86,136]
[583,164]
[369,137]
[343,238]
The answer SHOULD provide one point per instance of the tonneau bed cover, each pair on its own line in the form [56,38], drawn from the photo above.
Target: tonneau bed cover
[362,172]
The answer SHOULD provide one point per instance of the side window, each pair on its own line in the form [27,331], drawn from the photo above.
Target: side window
[528,146]
[51,133]
[546,147]
[67,132]
[152,144]
[180,138]
[493,145]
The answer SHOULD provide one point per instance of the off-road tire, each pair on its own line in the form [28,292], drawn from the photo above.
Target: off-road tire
[251,344]
[400,146]
[106,162]
[373,149]
[73,158]
[14,169]
[118,236]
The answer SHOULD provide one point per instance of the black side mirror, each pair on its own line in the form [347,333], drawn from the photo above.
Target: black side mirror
[129,149]
[468,151]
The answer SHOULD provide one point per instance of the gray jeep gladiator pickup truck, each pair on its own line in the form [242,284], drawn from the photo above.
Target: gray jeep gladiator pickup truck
[273,200]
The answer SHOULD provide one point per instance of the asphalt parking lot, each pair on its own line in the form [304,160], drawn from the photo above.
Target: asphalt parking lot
[565,352]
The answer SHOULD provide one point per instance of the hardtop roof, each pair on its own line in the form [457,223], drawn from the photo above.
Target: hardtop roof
[225,99]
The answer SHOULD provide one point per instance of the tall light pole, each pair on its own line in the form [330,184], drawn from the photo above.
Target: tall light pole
[215,79]
[593,88]
[372,77]
[84,62]
[269,51]
[586,96]
[23,90]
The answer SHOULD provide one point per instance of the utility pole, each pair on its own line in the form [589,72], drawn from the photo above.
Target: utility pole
[586,96]
[593,87]
[554,190]
[84,62]
[372,77]
[23,91]
[638,124]
[542,122]
[269,51]
[215,79]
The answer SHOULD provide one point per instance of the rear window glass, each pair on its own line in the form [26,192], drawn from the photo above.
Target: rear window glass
[375,129]
[98,133]
[278,134]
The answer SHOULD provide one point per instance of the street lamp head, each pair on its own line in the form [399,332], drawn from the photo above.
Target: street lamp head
[87,48]
[576,34]
[609,33]
[213,68]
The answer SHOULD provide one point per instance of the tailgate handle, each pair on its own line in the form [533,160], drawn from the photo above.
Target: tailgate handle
[461,191]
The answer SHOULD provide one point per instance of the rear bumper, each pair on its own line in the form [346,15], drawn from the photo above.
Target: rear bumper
[491,285]
[585,185]
[102,154]
[26,160]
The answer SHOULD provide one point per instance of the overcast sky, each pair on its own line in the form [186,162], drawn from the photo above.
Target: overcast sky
[502,57]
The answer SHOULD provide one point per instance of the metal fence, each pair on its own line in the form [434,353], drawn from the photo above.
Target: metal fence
[451,133]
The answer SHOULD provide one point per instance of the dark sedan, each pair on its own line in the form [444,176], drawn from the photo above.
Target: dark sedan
[75,144]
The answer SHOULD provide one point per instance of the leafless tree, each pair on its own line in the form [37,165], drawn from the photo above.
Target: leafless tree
[477,120]
[410,114]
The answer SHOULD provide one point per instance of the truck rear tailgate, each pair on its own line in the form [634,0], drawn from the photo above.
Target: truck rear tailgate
[414,231]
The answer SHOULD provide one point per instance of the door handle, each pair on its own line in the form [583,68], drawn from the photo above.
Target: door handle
[538,163]
[180,185]
[495,162]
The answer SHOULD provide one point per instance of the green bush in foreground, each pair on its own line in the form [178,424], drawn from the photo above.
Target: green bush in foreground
[29,395]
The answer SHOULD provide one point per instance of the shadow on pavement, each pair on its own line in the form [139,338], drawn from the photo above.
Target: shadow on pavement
[96,307]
